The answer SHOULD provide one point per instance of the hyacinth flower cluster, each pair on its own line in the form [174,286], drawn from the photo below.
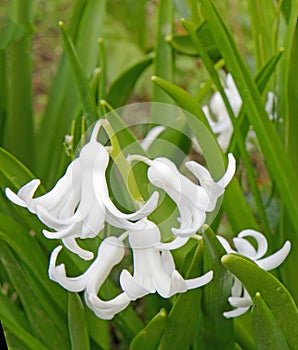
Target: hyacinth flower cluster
[218,117]
[79,206]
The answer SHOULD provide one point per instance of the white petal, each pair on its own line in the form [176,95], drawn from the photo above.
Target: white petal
[15,198]
[218,107]
[54,222]
[199,281]
[237,288]
[244,247]
[26,192]
[151,136]
[57,274]
[199,171]
[262,245]
[131,287]
[191,221]
[178,285]
[224,138]
[167,262]
[71,230]
[274,260]
[175,244]
[235,313]
[71,244]
[230,172]
[225,244]
[240,301]
[106,310]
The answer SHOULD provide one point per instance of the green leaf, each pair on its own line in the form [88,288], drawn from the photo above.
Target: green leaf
[148,338]
[28,249]
[87,98]
[15,320]
[264,30]
[216,331]
[279,166]
[268,334]
[18,135]
[121,88]
[190,27]
[77,325]
[292,123]
[213,155]
[174,142]
[184,44]
[163,62]
[3,93]
[64,101]
[99,330]
[40,321]
[273,292]
[11,31]
[179,330]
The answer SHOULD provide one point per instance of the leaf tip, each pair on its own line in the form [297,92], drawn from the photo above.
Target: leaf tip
[225,259]
[169,38]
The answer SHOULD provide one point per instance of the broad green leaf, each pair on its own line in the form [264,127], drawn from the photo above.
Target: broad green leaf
[268,334]
[241,144]
[279,166]
[184,44]
[216,331]
[28,249]
[87,98]
[99,330]
[3,93]
[15,321]
[148,338]
[14,174]
[121,88]
[273,292]
[41,323]
[264,30]
[243,332]
[213,155]
[163,63]
[11,31]
[173,143]
[292,123]
[77,325]
[181,322]
[18,136]
[64,101]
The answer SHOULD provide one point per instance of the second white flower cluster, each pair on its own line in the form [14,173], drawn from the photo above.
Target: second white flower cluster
[79,205]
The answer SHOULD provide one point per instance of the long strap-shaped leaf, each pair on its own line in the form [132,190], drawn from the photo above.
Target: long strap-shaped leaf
[273,292]
[274,152]
[240,215]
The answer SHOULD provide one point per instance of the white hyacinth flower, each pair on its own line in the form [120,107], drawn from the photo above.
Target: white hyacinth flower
[79,203]
[218,117]
[222,125]
[151,136]
[153,266]
[240,298]
[193,201]
[110,253]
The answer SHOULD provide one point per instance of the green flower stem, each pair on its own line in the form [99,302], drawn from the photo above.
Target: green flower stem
[119,158]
